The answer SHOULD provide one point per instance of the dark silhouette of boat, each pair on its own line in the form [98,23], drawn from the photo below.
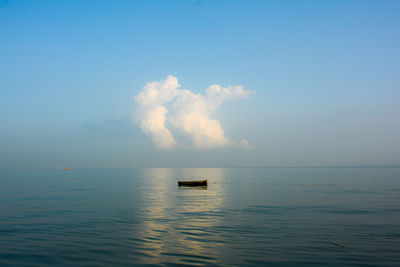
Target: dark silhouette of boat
[193,183]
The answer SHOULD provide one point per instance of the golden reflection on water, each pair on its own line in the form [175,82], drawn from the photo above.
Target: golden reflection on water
[178,221]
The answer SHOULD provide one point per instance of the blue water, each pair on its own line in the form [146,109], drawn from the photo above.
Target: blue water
[255,216]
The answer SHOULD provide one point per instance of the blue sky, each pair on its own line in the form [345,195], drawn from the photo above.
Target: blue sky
[326,77]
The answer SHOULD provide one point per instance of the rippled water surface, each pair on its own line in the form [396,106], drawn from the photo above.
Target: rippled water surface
[291,216]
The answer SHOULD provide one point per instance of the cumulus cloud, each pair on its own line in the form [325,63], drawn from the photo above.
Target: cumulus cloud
[150,113]
[190,113]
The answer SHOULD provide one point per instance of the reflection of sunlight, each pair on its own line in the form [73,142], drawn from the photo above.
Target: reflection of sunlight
[178,222]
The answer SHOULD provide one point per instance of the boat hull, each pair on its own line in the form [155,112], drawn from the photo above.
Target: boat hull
[193,183]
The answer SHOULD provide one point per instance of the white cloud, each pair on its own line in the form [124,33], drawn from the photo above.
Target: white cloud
[150,113]
[191,116]
[190,113]
[245,145]
[153,123]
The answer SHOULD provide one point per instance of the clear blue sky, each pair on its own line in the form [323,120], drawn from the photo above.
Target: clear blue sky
[326,76]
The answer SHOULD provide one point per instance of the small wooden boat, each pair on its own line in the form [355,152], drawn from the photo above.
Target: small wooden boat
[67,169]
[193,183]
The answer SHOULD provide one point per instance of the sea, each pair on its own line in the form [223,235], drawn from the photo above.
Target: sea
[244,217]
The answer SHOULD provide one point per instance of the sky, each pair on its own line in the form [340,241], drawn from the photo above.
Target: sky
[319,83]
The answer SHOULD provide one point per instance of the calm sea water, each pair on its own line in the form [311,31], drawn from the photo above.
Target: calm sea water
[293,216]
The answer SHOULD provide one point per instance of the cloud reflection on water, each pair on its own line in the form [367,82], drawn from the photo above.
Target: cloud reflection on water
[178,222]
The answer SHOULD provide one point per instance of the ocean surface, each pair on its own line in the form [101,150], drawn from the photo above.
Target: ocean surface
[246,216]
